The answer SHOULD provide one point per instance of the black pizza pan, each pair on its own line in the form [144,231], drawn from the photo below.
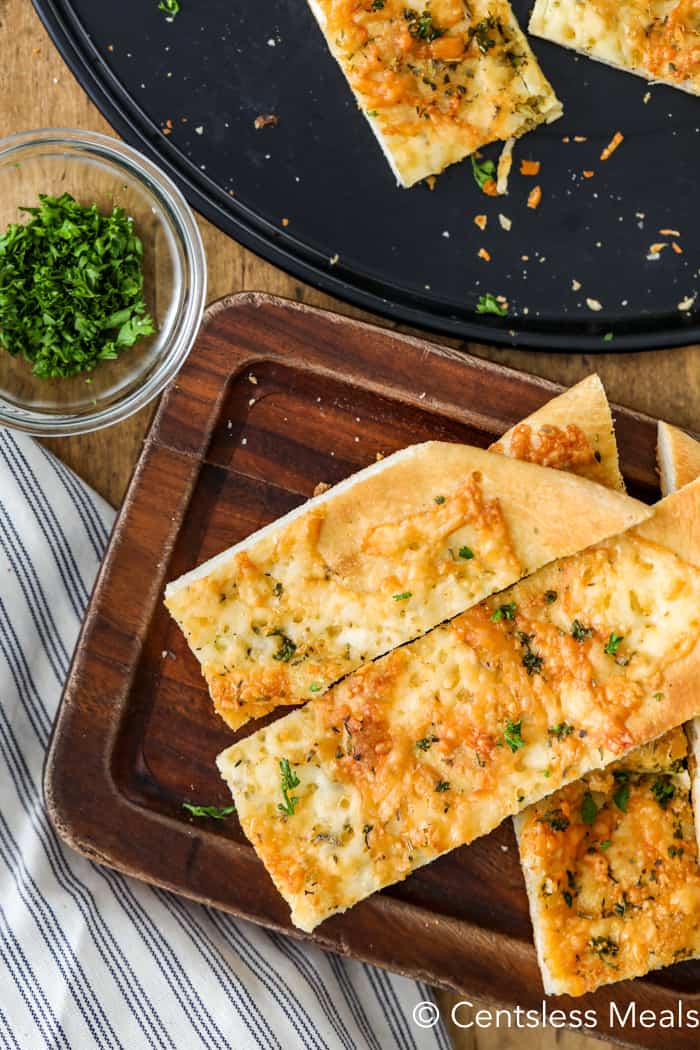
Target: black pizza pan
[312,193]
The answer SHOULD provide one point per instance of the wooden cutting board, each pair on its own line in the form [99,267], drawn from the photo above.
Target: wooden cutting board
[275,398]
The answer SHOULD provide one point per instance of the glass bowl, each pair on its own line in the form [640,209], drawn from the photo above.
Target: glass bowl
[99,169]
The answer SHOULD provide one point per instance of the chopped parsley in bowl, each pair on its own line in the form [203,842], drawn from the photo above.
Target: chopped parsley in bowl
[102,281]
[71,287]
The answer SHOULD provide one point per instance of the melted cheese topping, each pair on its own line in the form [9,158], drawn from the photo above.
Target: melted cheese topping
[437,81]
[657,39]
[617,894]
[440,741]
[277,624]
[311,599]
[561,448]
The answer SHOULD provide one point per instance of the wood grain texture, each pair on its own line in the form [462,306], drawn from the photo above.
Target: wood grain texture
[39,91]
[274,398]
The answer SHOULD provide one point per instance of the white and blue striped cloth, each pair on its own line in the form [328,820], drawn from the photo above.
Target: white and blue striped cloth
[89,958]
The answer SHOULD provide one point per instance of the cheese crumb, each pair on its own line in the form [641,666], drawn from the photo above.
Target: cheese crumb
[594,304]
[534,197]
[615,141]
[575,285]
[505,162]
[505,222]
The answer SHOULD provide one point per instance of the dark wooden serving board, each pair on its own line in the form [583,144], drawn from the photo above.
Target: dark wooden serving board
[275,398]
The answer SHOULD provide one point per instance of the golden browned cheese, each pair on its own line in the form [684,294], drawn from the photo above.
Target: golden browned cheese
[653,38]
[437,80]
[612,869]
[562,448]
[672,43]
[441,740]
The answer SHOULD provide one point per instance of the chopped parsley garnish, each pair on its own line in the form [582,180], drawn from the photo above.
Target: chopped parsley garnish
[515,58]
[605,844]
[480,33]
[622,795]
[466,552]
[377,5]
[442,785]
[287,647]
[315,687]
[675,851]
[216,812]
[71,287]
[532,661]
[289,781]
[589,810]
[613,643]
[556,820]
[439,500]
[663,791]
[567,897]
[658,697]
[483,173]
[504,612]
[550,597]
[403,596]
[426,742]
[422,27]
[561,730]
[604,946]
[512,735]
[171,7]
[365,831]
[608,337]
[489,304]
[579,632]
[277,589]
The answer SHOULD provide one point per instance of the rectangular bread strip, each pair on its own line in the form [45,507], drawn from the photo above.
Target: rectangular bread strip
[438,81]
[654,39]
[611,867]
[440,741]
[376,561]
[678,457]
[607,913]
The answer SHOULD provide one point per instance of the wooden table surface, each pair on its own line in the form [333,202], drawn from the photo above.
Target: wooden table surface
[41,92]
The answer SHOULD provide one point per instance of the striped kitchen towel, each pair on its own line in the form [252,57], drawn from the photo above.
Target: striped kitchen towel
[89,958]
